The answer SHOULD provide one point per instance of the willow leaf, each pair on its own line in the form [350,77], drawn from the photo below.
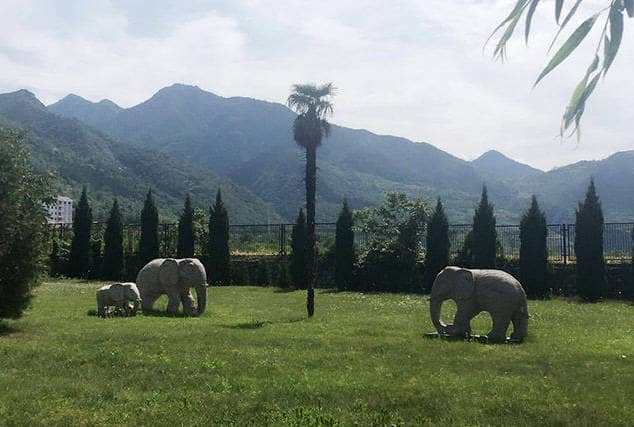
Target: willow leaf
[567,19]
[529,18]
[629,6]
[500,48]
[569,46]
[571,109]
[517,10]
[559,4]
[616,35]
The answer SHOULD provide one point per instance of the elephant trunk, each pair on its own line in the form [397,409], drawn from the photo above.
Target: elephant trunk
[435,304]
[201,296]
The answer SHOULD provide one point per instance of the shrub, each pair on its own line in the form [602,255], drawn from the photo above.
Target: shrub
[591,282]
[437,254]
[263,275]
[23,229]
[96,260]
[79,258]
[185,243]
[113,259]
[484,234]
[282,279]
[149,240]
[219,242]
[298,252]
[239,273]
[344,249]
[534,252]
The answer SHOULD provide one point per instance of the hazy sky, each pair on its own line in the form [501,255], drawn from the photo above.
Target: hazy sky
[412,68]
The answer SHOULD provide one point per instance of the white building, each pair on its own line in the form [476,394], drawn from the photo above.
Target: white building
[61,212]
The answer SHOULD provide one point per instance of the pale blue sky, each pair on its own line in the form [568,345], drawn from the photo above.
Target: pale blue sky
[412,68]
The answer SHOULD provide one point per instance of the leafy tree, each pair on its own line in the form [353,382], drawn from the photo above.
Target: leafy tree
[437,254]
[298,252]
[23,229]
[610,39]
[312,104]
[484,234]
[185,243]
[149,241]
[219,255]
[79,258]
[589,247]
[534,251]
[394,230]
[113,259]
[344,248]
[54,260]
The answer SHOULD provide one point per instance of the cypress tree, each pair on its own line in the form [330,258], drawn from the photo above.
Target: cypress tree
[484,233]
[344,248]
[298,252]
[185,244]
[113,259]
[534,252]
[219,255]
[591,281]
[79,258]
[96,260]
[149,241]
[437,255]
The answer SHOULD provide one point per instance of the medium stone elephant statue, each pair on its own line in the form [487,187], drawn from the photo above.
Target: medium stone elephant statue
[125,297]
[475,291]
[174,278]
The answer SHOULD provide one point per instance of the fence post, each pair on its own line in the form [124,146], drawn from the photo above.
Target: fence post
[282,239]
[564,233]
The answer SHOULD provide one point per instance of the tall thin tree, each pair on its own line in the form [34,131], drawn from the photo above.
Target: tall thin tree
[591,282]
[344,248]
[113,259]
[219,241]
[185,243]
[534,252]
[484,233]
[79,258]
[312,103]
[438,245]
[149,241]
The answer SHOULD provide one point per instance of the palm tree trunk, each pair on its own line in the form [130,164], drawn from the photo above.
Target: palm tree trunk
[311,184]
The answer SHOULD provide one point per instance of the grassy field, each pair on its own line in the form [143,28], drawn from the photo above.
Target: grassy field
[254,359]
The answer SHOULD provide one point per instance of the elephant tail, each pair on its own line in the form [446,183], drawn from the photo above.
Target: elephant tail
[201,296]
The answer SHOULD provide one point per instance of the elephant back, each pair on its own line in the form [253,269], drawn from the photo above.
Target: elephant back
[148,277]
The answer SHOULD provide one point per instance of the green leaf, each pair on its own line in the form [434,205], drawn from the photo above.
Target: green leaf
[517,10]
[577,95]
[629,5]
[569,16]
[559,4]
[500,48]
[616,35]
[529,18]
[569,46]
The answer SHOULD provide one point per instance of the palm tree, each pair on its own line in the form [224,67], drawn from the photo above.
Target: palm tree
[312,104]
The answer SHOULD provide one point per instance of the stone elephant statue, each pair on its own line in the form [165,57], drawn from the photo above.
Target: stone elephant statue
[475,291]
[174,278]
[125,297]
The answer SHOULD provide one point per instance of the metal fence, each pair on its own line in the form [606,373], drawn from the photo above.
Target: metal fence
[275,239]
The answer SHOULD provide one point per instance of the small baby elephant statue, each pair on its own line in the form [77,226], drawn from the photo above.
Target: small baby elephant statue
[474,291]
[124,297]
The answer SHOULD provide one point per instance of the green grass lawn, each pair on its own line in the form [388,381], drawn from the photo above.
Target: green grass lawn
[253,358]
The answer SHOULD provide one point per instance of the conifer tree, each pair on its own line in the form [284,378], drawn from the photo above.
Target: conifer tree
[484,234]
[113,259]
[298,252]
[185,244]
[23,228]
[79,258]
[96,260]
[219,255]
[149,240]
[437,255]
[534,252]
[591,281]
[344,249]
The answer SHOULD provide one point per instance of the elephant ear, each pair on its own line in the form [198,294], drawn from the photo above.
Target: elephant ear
[117,292]
[464,285]
[168,272]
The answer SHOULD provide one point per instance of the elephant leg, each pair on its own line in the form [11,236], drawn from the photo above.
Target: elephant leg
[501,323]
[173,302]
[147,304]
[189,305]
[461,324]
[520,325]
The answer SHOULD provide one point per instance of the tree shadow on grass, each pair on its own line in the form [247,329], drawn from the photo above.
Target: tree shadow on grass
[257,324]
[6,330]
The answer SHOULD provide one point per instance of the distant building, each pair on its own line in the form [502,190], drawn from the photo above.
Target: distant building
[61,212]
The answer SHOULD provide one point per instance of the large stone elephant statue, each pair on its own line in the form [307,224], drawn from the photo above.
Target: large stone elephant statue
[475,291]
[174,278]
[125,297]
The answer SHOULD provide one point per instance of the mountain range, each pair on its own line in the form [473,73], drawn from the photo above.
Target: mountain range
[246,146]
